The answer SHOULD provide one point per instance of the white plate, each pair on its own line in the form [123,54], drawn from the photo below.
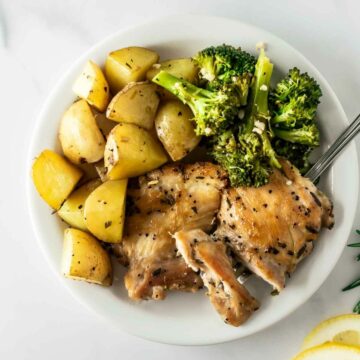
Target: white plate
[189,318]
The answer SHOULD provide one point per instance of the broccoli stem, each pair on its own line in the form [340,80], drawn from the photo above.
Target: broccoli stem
[182,89]
[258,104]
[172,83]
[212,110]
[261,86]
[258,110]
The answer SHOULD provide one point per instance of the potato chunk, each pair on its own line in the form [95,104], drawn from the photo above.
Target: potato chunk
[132,151]
[54,177]
[127,65]
[105,211]
[105,125]
[136,104]
[101,172]
[72,211]
[80,137]
[89,172]
[175,129]
[92,86]
[182,68]
[84,258]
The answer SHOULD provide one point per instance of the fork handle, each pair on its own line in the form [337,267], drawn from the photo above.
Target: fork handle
[328,157]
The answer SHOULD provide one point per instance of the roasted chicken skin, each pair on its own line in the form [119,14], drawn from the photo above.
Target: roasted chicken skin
[273,227]
[208,256]
[172,198]
[269,229]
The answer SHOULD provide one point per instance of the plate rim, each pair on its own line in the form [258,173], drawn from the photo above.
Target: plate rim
[39,122]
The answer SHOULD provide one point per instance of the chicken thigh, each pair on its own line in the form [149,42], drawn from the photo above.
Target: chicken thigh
[208,256]
[273,227]
[172,198]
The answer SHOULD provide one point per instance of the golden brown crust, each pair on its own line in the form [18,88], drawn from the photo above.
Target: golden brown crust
[160,203]
[273,227]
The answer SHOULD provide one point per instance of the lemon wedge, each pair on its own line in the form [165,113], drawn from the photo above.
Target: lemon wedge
[330,351]
[343,329]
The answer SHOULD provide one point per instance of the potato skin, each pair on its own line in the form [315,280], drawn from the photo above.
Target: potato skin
[89,172]
[104,211]
[79,135]
[131,151]
[183,68]
[92,86]
[175,129]
[84,258]
[72,210]
[127,65]
[136,104]
[101,172]
[105,125]
[54,177]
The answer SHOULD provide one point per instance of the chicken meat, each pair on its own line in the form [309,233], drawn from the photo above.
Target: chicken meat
[171,212]
[160,203]
[208,256]
[273,227]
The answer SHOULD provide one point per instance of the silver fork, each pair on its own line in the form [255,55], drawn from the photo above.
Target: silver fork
[334,150]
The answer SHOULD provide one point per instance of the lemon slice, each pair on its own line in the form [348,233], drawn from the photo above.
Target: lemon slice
[330,351]
[343,329]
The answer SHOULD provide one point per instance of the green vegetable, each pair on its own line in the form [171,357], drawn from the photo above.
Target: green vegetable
[355,283]
[295,100]
[247,142]
[293,106]
[297,154]
[228,65]
[213,110]
[246,151]
[306,135]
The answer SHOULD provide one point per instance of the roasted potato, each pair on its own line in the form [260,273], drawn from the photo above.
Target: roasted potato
[92,86]
[105,211]
[101,171]
[89,172]
[105,125]
[182,68]
[131,151]
[136,104]
[72,210]
[54,177]
[83,258]
[175,129]
[80,137]
[127,65]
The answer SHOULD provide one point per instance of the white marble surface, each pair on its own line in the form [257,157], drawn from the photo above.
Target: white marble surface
[38,318]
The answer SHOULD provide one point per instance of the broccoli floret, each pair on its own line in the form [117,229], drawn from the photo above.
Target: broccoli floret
[239,155]
[247,153]
[223,62]
[306,135]
[297,154]
[293,106]
[226,64]
[213,110]
[294,100]
[292,112]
